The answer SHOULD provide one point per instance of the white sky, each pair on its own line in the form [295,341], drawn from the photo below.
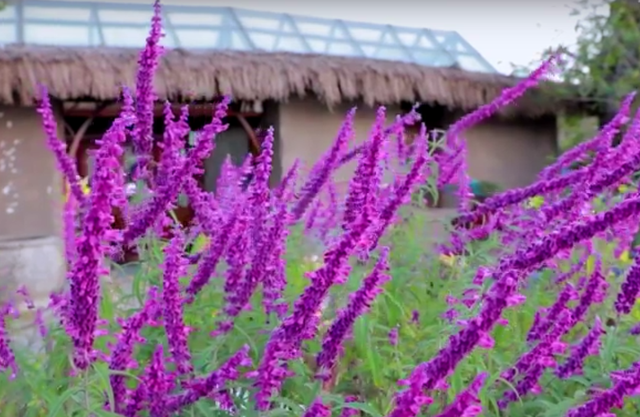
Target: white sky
[503,31]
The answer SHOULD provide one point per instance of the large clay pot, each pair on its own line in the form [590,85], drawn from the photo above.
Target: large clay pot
[39,265]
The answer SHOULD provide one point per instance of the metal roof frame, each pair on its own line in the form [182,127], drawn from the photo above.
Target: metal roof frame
[87,24]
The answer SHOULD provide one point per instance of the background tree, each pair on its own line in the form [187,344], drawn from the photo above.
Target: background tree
[604,65]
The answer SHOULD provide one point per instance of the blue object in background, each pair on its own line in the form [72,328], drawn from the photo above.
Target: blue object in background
[617,272]
[475,185]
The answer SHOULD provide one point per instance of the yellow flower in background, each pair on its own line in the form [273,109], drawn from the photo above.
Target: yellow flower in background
[535,202]
[624,189]
[200,242]
[84,184]
[448,260]
[311,263]
[625,257]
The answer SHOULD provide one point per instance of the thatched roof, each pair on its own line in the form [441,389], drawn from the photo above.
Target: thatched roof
[97,73]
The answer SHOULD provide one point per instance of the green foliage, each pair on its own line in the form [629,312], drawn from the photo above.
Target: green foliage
[370,366]
[604,65]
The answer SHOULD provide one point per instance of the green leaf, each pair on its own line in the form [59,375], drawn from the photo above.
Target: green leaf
[57,408]
[364,407]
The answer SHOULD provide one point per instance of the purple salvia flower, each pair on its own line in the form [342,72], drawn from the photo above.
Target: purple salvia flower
[602,402]
[573,154]
[525,385]
[402,192]
[313,216]
[393,336]
[24,292]
[363,187]
[288,181]
[426,375]
[69,221]
[332,214]
[167,192]
[543,348]
[260,203]
[228,184]
[574,269]
[583,190]
[274,278]
[136,401]
[148,62]
[317,409]
[158,384]
[323,169]
[174,267]
[590,294]
[285,340]
[348,411]
[542,325]
[467,402]
[629,290]
[488,110]
[66,165]
[532,364]
[88,266]
[211,258]
[237,258]
[172,144]
[518,195]
[574,363]
[121,355]
[259,199]
[408,119]
[204,206]
[359,302]
[7,358]
[213,382]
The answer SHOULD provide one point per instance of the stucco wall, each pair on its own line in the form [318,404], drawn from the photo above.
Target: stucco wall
[511,153]
[508,153]
[30,185]
[308,128]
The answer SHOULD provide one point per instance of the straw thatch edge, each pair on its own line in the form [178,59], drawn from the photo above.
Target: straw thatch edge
[99,73]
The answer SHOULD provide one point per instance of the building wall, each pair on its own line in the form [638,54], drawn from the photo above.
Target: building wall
[308,128]
[508,153]
[511,153]
[30,185]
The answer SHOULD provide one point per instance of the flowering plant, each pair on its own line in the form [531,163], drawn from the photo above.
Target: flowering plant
[252,324]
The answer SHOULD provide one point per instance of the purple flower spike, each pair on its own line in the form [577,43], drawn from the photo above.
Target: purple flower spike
[574,363]
[359,302]
[467,403]
[88,266]
[317,409]
[174,268]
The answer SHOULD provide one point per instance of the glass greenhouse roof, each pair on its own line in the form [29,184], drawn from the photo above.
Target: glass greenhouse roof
[83,24]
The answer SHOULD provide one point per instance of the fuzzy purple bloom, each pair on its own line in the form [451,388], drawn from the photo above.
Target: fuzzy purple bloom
[359,302]
[148,62]
[574,363]
[317,409]
[467,403]
[215,381]
[129,335]
[323,169]
[167,191]
[174,268]
[602,402]
[629,290]
[66,165]
[542,325]
[88,266]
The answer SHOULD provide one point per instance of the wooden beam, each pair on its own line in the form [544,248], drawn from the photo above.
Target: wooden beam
[113,110]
